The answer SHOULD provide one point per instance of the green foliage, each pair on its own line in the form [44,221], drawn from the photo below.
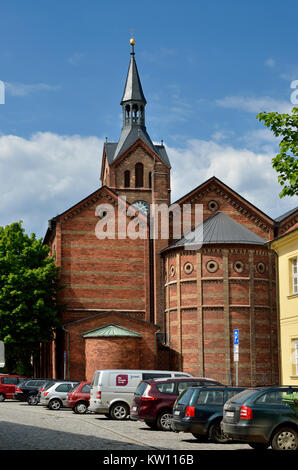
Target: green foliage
[29,286]
[286,162]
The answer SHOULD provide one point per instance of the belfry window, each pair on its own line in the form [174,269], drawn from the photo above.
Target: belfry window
[139,174]
[127,179]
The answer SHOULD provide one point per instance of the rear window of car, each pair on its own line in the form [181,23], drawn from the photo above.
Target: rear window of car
[86,388]
[211,397]
[75,388]
[185,396]
[242,396]
[141,389]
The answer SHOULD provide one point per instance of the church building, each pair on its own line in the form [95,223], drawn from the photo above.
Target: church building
[159,303]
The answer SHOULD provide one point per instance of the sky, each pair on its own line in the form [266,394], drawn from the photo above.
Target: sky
[207,69]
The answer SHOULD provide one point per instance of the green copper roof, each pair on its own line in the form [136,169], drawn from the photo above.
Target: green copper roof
[110,330]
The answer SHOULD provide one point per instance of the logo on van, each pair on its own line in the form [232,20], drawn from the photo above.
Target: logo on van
[121,380]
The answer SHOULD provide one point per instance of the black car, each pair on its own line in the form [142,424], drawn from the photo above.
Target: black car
[28,390]
[199,410]
[264,417]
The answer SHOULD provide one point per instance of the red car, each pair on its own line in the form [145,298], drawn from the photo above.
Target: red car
[8,384]
[78,398]
[154,399]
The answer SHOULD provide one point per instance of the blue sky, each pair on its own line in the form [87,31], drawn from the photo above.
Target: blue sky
[207,69]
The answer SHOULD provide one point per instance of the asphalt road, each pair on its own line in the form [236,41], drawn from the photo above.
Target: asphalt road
[24,427]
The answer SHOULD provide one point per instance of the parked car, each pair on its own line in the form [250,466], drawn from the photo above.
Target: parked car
[154,399]
[28,390]
[199,411]
[78,398]
[55,394]
[8,385]
[261,417]
[112,391]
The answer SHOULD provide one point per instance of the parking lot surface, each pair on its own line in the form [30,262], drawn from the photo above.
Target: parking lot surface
[24,427]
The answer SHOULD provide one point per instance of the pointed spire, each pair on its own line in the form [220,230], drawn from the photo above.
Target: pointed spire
[133,89]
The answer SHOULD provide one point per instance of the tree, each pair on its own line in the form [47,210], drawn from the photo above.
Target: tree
[286,161]
[29,286]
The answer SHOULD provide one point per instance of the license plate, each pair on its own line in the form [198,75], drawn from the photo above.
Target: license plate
[230,414]
[176,412]
[134,408]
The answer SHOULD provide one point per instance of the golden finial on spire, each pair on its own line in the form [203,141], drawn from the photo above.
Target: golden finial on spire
[132,41]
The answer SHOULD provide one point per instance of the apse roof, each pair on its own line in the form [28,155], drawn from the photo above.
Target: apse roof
[217,229]
[111,331]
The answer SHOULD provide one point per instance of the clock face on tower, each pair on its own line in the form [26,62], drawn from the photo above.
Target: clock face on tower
[141,206]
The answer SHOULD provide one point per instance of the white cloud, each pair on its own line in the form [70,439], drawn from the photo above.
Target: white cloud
[255,104]
[47,173]
[270,62]
[24,89]
[75,59]
[246,171]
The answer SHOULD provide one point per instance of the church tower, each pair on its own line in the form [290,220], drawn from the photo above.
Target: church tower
[128,165]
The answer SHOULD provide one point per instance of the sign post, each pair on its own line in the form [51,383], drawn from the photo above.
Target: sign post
[236,352]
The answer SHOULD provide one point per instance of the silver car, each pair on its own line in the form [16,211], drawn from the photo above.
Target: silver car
[55,395]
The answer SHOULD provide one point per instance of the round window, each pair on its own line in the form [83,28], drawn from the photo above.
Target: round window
[261,268]
[188,268]
[212,266]
[212,206]
[238,266]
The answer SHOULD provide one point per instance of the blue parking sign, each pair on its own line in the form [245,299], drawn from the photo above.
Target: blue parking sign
[236,336]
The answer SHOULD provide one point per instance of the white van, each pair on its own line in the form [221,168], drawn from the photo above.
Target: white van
[112,390]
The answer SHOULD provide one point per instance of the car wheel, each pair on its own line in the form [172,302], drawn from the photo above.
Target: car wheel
[200,437]
[55,404]
[119,411]
[216,434]
[32,400]
[151,424]
[258,445]
[285,439]
[163,421]
[2,397]
[80,407]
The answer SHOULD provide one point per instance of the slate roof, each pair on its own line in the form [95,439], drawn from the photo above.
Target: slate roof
[128,137]
[287,214]
[133,89]
[219,229]
[111,331]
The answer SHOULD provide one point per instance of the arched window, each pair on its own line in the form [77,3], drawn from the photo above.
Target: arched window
[139,174]
[127,179]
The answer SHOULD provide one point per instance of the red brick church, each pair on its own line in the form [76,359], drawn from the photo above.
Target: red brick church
[150,303]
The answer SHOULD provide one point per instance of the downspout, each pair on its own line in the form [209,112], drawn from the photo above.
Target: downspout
[155,352]
[66,366]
